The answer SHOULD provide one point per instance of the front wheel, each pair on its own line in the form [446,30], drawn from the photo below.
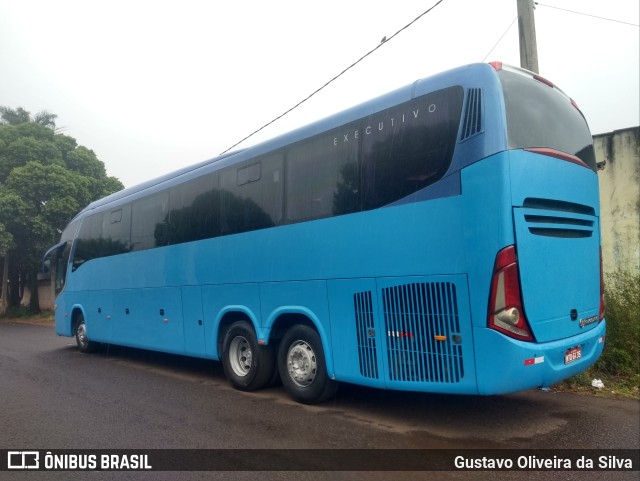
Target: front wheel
[302,366]
[248,365]
[83,342]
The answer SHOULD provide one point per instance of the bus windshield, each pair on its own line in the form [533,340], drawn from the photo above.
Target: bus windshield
[541,116]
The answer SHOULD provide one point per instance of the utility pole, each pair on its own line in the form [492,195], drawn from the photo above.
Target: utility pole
[527,30]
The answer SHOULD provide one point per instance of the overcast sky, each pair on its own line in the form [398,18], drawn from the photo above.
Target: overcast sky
[152,86]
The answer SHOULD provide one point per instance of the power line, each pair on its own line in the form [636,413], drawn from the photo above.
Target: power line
[558,8]
[500,39]
[588,15]
[384,41]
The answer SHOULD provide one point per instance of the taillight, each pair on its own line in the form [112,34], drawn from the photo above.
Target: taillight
[558,155]
[601,312]
[506,313]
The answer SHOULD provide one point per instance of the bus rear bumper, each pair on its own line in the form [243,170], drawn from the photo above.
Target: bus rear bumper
[506,365]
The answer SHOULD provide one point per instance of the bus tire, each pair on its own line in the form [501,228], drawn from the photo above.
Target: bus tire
[302,366]
[247,364]
[83,342]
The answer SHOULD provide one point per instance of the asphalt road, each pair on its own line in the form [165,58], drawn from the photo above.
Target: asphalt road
[53,397]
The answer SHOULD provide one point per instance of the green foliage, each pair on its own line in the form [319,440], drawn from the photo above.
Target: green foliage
[621,355]
[45,179]
[619,365]
[18,312]
[6,240]
[85,162]
[14,116]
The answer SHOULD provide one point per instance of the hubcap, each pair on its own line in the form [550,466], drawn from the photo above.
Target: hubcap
[240,356]
[301,363]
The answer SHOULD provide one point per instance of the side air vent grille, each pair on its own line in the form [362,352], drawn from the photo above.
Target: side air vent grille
[365,330]
[423,333]
[552,218]
[473,114]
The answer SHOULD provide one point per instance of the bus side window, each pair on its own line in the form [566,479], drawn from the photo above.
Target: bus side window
[89,244]
[194,210]
[412,152]
[312,173]
[149,221]
[116,231]
[251,196]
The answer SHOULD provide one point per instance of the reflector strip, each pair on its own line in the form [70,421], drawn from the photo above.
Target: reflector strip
[534,360]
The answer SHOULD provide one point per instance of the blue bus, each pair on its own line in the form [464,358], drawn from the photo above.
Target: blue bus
[444,237]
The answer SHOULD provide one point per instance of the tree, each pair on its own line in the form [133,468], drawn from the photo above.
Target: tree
[45,179]
[14,116]
[21,116]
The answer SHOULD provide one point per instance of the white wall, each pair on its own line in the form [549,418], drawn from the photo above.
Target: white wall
[620,198]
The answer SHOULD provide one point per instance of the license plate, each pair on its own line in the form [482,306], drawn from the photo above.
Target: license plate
[572,354]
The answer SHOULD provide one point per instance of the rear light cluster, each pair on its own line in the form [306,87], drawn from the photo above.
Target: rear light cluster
[558,155]
[506,312]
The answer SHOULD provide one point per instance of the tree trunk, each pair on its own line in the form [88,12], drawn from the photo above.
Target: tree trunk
[4,301]
[34,300]
[15,295]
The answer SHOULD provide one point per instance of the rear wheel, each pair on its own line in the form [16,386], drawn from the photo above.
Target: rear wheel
[302,366]
[83,342]
[247,364]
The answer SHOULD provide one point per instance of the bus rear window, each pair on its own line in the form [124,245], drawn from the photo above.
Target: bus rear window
[540,116]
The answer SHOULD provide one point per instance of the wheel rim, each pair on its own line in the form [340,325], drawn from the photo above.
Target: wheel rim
[301,363]
[81,335]
[240,356]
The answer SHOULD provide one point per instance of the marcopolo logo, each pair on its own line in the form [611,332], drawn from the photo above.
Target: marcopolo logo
[588,321]
[23,460]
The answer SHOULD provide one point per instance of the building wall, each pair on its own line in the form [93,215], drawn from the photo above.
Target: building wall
[45,294]
[620,198]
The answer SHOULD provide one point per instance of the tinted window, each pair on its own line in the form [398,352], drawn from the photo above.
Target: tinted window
[539,116]
[376,161]
[61,258]
[366,164]
[251,195]
[61,264]
[194,210]
[409,147]
[89,245]
[149,221]
[116,231]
